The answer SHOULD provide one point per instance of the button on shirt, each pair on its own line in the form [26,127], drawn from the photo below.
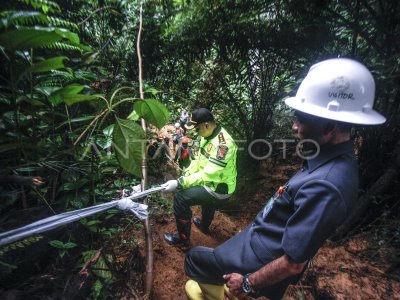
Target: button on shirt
[298,219]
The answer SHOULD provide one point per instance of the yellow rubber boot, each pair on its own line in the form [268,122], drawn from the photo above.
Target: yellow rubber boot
[193,290]
[201,291]
[212,291]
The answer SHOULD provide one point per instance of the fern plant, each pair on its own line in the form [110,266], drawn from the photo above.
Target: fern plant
[35,86]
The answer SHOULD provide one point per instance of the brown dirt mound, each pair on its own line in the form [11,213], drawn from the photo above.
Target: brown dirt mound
[169,277]
[335,273]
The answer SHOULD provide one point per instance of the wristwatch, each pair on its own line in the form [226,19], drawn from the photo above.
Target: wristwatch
[246,285]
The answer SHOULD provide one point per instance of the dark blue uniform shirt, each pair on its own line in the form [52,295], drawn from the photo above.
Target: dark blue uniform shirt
[300,217]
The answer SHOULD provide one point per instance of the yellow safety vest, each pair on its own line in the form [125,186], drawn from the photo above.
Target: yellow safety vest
[215,164]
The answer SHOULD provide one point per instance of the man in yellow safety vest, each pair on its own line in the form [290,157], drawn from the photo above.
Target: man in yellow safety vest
[209,181]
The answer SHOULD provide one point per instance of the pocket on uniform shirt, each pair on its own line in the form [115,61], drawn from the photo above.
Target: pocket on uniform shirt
[281,201]
[285,198]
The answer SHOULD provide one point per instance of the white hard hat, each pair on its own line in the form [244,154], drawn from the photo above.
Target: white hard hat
[177,125]
[338,89]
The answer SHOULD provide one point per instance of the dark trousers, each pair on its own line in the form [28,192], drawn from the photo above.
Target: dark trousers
[183,163]
[201,264]
[197,195]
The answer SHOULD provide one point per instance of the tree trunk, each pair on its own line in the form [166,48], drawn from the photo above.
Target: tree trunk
[378,188]
[147,225]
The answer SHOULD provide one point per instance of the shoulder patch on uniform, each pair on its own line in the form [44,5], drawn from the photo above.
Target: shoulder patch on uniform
[222,151]
[221,138]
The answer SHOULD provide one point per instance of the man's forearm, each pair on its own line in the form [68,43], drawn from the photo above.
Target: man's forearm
[276,271]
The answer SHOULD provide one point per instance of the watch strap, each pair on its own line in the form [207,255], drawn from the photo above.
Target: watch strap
[246,285]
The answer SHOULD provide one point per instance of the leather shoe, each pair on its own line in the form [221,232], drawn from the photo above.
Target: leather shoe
[175,239]
[199,225]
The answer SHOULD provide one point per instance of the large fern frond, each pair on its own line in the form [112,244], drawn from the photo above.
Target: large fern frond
[56,79]
[64,46]
[20,244]
[44,5]
[26,18]
[85,75]
[41,37]
[64,75]
[58,166]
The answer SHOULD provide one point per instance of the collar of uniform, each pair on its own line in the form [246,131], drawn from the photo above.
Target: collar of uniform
[327,153]
[214,134]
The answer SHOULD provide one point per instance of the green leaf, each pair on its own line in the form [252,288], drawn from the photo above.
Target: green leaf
[105,142]
[133,116]
[47,90]
[97,287]
[153,111]
[108,130]
[129,142]
[57,96]
[57,244]
[101,268]
[152,91]
[24,38]
[69,95]
[93,222]
[48,64]
[69,245]
[72,99]
[73,37]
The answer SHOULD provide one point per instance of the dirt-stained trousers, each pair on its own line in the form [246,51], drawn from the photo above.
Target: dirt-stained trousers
[197,195]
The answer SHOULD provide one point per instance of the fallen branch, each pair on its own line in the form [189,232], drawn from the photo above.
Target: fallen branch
[81,283]
[93,261]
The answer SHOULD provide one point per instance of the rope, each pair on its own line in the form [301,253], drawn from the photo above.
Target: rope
[126,204]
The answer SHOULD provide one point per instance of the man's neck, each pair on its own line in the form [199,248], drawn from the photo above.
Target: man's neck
[338,138]
[213,127]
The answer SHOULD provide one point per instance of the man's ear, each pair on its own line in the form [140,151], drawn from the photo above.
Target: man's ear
[329,127]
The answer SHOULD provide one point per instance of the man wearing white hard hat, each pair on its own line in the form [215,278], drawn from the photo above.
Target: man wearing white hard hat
[273,251]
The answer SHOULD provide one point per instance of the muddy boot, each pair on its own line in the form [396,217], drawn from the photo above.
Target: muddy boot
[182,238]
[200,225]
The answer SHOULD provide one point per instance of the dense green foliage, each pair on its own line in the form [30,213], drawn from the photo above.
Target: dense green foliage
[58,122]
[49,96]
[69,87]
